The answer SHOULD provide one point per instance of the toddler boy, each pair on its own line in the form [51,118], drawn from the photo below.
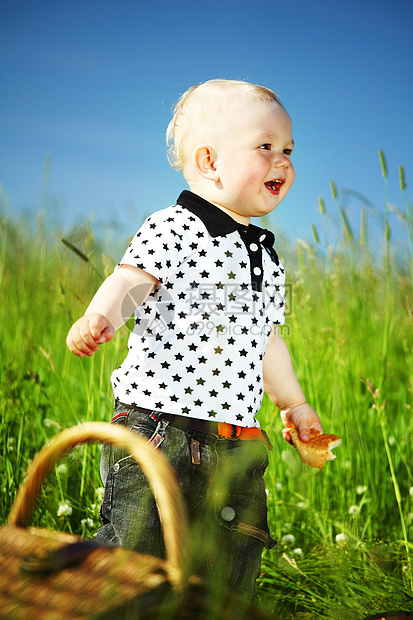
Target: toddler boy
[207,289]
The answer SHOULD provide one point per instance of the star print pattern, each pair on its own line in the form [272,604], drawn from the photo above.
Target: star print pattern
[198,342]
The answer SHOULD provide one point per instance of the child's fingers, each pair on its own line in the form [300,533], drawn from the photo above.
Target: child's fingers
[88,333]
[304,432]
[74,343]
[305,425]
[285,417]
[81,343]
[286,435]
[88,341]
[304,418]
[99,329]
[80,340]
[107,334]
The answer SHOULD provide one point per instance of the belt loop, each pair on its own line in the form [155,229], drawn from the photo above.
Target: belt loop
[162,425]
[154,415]
[236,431]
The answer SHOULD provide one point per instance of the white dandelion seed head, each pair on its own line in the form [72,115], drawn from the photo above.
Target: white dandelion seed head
[361,489]
[288,539]
[341,539]
[297,552]
[62,469]
[279,486]
[64,510]
[100,491]
[354,510]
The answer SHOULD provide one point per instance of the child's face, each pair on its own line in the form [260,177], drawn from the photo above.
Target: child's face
[253,147]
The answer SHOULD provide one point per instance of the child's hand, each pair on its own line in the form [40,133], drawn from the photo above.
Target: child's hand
[303,417]
[88,333]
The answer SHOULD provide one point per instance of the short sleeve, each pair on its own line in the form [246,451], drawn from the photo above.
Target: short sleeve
[161,244]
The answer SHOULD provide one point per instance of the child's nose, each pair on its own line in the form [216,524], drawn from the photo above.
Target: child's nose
[282,161]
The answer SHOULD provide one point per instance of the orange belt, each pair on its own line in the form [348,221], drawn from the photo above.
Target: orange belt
[221,429]
[242,432]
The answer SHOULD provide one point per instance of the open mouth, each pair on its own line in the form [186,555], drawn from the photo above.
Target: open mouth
[274,186]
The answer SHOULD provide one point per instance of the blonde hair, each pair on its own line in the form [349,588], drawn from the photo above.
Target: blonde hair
[194,114]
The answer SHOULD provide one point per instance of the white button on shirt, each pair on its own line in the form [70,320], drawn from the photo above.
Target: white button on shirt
[198,343]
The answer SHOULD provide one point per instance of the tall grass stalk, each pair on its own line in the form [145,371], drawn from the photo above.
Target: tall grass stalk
[379,398]
[380,408]
[408,209]
[387,311]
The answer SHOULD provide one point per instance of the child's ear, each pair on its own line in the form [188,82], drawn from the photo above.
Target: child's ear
[204,158]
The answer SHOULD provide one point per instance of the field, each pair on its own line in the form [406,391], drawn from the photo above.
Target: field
[345,532]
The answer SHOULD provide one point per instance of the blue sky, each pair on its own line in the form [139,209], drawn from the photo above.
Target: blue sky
[91,83]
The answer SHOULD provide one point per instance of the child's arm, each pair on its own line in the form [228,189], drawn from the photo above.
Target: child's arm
[122,292]
[282,386]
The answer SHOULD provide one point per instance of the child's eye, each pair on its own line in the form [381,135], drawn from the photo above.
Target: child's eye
[265,147]
[288,151]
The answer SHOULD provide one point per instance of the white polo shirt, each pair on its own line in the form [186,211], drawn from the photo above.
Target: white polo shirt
[198,343]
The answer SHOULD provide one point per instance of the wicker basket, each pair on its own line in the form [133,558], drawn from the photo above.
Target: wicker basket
[91,579]
[47,575]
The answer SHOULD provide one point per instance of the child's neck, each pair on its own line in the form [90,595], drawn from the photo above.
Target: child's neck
[241,219]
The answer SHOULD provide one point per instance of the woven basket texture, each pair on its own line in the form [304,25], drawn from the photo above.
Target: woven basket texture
[107,577]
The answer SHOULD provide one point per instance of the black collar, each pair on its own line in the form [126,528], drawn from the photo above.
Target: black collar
[215,219]
[219,223]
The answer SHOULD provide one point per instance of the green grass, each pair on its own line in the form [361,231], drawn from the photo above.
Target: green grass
[345,532]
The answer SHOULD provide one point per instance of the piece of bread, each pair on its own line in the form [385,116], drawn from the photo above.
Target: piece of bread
[316,451]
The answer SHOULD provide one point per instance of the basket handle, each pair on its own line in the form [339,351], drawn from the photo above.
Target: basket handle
[154,465]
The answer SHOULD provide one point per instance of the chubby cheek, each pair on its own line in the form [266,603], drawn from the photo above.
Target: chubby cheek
[243,184]
[251,182]
[237,177]
[253,177]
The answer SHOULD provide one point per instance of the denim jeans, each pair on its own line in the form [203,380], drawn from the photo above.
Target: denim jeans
[223,488]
